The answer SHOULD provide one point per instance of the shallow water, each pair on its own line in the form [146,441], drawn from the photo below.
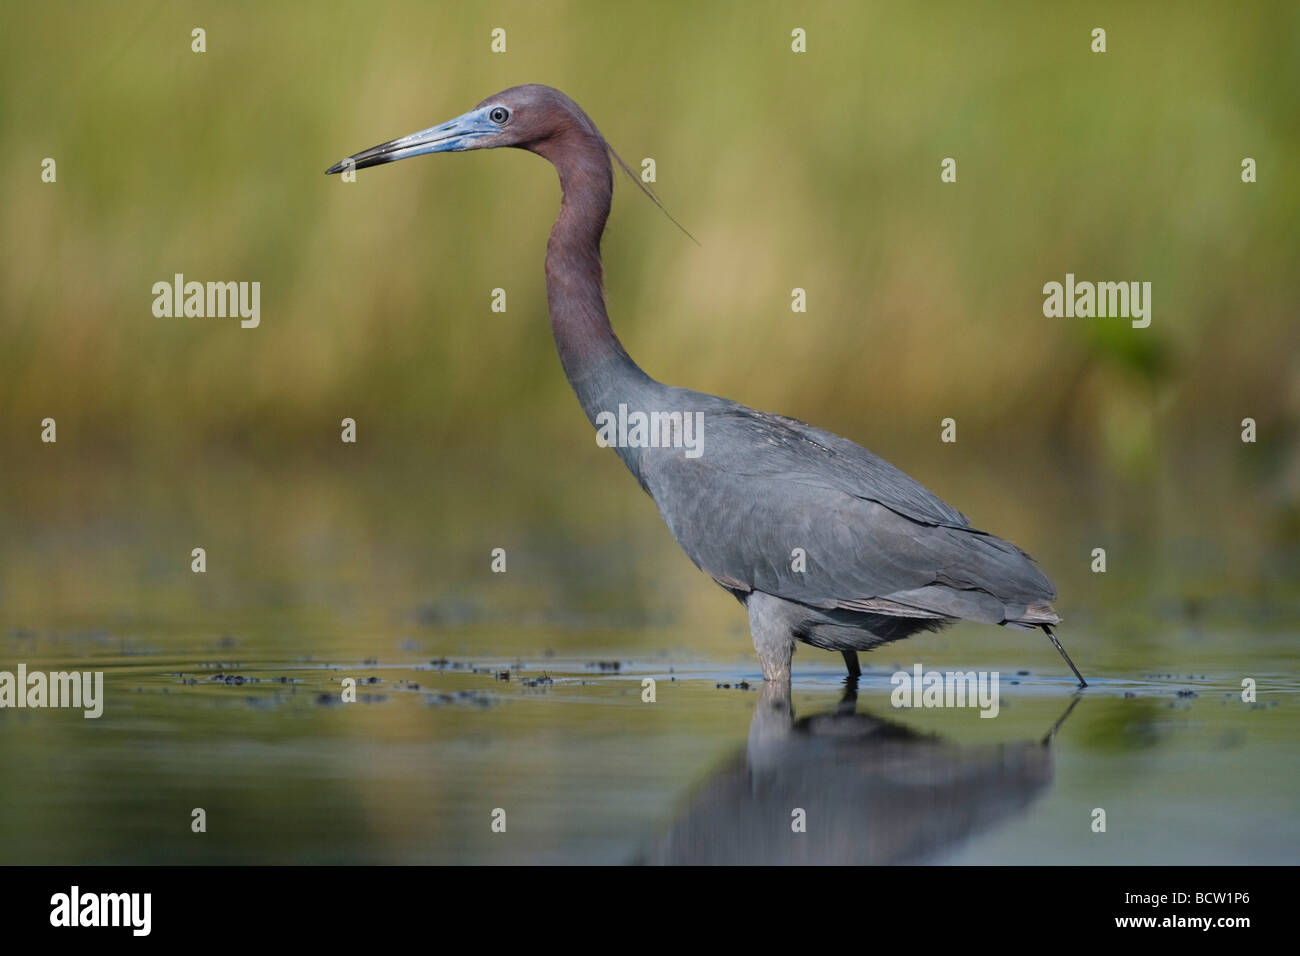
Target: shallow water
[586,771]
[223,692]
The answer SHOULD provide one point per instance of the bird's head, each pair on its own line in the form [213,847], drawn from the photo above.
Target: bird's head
[523,116]
[533,117]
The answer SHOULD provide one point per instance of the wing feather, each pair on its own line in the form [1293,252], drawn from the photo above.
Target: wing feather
[872,538]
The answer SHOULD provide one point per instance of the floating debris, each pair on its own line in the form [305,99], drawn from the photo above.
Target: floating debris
[474,697]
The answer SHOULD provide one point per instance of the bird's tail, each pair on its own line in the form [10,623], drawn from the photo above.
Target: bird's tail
[1033,616]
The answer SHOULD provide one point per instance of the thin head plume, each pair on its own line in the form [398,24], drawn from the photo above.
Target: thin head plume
[649,192]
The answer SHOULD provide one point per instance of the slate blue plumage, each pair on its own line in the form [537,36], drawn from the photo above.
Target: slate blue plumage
[885,558]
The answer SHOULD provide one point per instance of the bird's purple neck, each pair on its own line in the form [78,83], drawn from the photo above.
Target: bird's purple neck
[594,360]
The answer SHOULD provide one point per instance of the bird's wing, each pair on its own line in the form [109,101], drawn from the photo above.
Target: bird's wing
[774,505]
[815,456]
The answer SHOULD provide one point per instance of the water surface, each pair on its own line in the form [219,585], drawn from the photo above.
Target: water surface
[523,691]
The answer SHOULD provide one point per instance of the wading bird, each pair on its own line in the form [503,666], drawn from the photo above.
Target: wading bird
[822,541]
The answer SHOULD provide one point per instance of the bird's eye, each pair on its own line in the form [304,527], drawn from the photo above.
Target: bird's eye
[499,115]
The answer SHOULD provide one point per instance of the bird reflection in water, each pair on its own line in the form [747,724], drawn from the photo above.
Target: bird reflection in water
[872,791]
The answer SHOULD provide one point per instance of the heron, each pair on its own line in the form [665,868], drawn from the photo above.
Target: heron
[822,541]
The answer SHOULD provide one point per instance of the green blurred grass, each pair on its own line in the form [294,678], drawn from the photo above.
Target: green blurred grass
[816,170]
[819,171]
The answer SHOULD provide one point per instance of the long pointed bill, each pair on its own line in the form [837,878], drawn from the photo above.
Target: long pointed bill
[461,133]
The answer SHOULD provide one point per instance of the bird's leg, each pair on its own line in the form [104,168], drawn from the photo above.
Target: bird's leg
[774,656]
[851,662]
[773,636]
[1057,644]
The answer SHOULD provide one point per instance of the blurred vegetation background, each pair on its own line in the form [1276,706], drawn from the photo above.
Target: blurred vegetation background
[816,170]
